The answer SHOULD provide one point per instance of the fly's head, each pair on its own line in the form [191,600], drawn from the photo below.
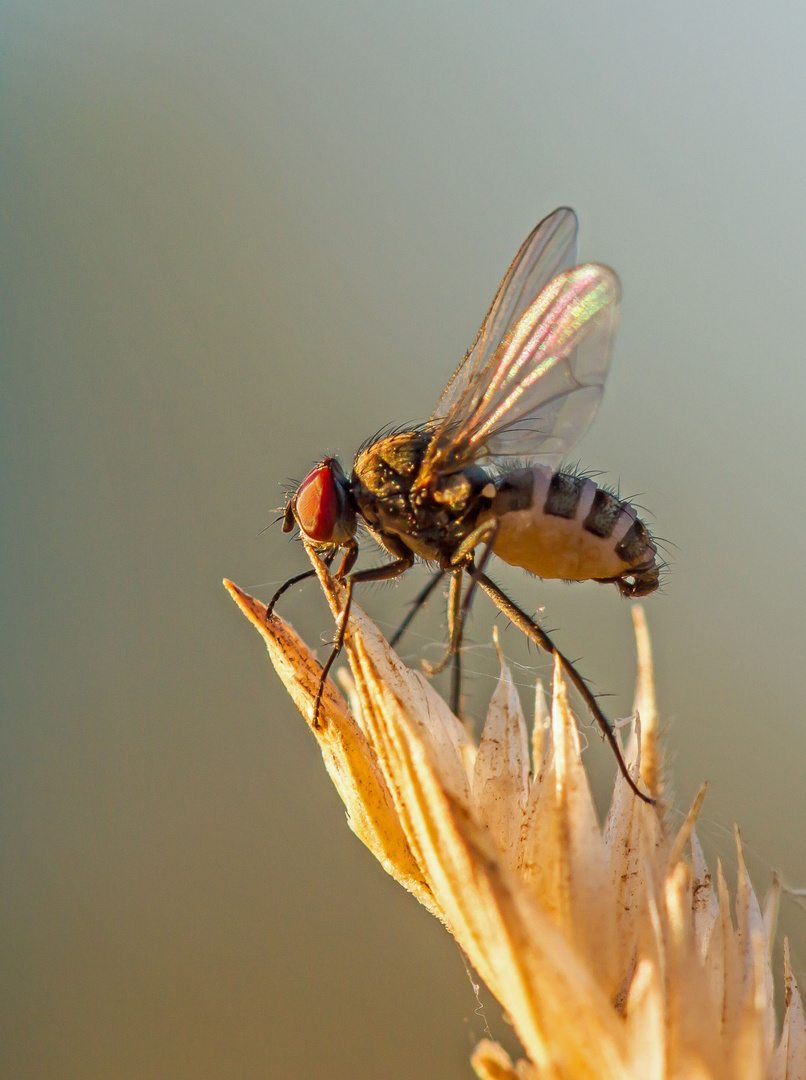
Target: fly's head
[323,507]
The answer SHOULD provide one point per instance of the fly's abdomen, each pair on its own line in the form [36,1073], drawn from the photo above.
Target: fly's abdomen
[557,525]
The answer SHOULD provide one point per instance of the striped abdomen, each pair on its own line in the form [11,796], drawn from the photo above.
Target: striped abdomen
[557,525]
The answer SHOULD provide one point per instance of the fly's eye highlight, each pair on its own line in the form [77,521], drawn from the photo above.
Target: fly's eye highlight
[320,504]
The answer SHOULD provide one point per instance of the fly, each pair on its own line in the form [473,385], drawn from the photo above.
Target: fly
[482,475]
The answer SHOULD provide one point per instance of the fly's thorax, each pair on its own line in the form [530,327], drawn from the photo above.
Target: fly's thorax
[433,519]
[383,475]
[389,466]
[558,525]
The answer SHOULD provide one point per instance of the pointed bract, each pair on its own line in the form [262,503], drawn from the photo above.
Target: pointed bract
[501,772]
[613,957]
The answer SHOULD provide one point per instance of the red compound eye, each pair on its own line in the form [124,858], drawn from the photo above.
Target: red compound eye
[318,503]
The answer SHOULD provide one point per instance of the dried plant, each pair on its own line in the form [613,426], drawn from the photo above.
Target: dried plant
[612,955]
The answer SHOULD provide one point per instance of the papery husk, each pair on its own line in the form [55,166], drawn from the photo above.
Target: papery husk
[612,956]
[348,757]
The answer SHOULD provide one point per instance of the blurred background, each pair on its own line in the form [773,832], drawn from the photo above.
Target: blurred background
[238,236]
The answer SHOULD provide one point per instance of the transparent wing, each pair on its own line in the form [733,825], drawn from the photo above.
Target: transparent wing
[548,249]
[540,389]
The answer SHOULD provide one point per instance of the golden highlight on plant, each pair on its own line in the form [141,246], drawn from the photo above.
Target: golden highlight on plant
[613,951]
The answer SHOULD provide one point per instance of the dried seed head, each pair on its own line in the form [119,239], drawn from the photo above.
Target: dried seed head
[613,956]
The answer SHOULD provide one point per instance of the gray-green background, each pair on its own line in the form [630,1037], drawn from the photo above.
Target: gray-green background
[237,236]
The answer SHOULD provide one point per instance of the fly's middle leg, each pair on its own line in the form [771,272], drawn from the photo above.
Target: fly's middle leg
[417,603]
[454,651]
[461,561]
[454,624]
[456,664]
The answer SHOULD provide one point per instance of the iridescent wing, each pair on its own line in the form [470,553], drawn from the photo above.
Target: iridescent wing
[540,389]
[549,248]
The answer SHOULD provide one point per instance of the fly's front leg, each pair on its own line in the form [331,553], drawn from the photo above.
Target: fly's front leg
[391,570]
[530,628]
[327,560]
[286,585]
[348,560]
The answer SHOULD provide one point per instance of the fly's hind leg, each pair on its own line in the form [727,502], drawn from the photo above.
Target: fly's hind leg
[530,628]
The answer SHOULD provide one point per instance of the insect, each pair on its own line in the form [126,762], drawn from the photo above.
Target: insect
[481,477]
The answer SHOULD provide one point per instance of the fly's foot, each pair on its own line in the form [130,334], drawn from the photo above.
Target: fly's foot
[435,669]
[316,723]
